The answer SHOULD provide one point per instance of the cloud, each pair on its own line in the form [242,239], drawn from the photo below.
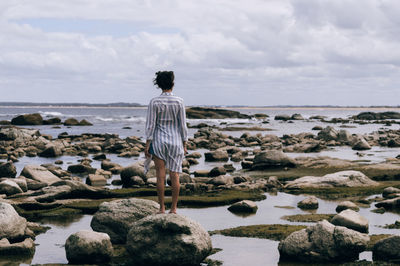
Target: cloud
[251,52]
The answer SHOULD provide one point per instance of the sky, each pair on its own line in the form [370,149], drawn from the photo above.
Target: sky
[223,52]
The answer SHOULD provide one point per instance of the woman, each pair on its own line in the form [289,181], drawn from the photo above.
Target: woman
[166,135]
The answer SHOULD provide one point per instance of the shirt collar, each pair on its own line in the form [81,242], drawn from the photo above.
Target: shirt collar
[167,93]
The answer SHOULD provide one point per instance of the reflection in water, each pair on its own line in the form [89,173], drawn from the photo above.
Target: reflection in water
[60,221]
[15,260]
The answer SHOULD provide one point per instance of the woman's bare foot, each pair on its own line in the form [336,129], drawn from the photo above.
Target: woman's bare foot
[172,211]
[162,210]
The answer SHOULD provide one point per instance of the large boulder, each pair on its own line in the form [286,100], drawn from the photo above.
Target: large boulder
[18,134]
[12,226]
[9,187]
[7,169]
[88,247]
[28,119]
[272,159]
[387,249]
[323,242]
[339,179]
[116,217]
[361,145]
[344,205]
[51,151]
[165,239]
[130,171]
[351,219]
[377,116]
[328,133]
[24,248]
[39,173]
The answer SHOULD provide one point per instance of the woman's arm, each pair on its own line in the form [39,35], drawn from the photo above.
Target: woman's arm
[150,126]
[183,126]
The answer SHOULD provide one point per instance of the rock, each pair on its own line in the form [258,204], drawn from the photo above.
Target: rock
[344,136]
[135,181]
[28,119]
[96,180]
[165,239]
[12,226]
[282,117]
[107,165]
[229,167]
[317,128]
[389,204]
[51,151]
[88,247]
[296,117]
[217,155]
[116,217]
[214,113]
[339,179]
[18,134]
[9,187]
[195,155]
[222,180]
[201,173]
[377,116]
[344,205]
[58,162]
[309,203]
[323,242]
[272,159]
[71,122]
[24,248]
[21,182]
[84,122]
[39,173]
[244,206]
[100,157]
[7,170]
[52,121]
[34,185]
[361,145]
[216,171]
[387,249]
[135,169]
[352,220]
[81,169]
[389,191]
[328,133]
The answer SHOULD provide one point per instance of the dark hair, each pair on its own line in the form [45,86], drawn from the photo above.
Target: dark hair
[164,79]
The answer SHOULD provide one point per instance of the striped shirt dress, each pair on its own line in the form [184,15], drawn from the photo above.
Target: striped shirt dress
[166,128]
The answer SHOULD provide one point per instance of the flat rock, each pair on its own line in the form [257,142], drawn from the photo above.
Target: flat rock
[116,217]
[40,174]
[165,239]
[96,180]
[352,220]
[272,159]
[217,155]
[338,179]
[24,248]
[88,247]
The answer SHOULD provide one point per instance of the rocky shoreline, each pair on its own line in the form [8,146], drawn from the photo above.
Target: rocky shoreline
[57,190]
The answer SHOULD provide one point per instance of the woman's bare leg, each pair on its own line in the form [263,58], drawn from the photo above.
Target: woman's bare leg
[160,173]
[174,176]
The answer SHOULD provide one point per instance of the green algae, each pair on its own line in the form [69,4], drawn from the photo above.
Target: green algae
[375,238]
[266,231]
[308,218]
[285,207]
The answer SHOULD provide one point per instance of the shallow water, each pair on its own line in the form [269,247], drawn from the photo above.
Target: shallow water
[235,251]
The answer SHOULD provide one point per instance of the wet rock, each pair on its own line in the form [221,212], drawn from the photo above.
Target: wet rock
[84,122]
[34,185]
[240,179]
[39,173]
[116,217]
[229,167]
[222,180]
[201,173]
[7,169]
[391,192]
[344,136]
[192,161]
[27,119]
[272,159]
[339,179]
[96,180]
[58,162]
[296,117]
[389,204]
[51,151]
[12,226]
[9,187]
[165,239]
[282,117]
[213,113]
[216,171]
[81,169]
[317,128]
[352,220]
[107,165]
[309,203]
[344,205]
[99,157]
[217,155]
[195,155]
[246,164]
[328,133]
[244,206]
[323,242]
[88,247]
[24,248]
[387,249]
[361,145]
[377,116]
[133,170]
[52,121]
[71,122]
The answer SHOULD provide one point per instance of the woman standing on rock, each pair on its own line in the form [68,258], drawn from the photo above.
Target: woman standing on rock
[166,135]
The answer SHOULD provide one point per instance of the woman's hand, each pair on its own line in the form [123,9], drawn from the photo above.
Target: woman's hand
[184,150]
[146,149]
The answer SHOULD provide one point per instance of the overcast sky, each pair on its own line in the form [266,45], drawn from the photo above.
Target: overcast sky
[223,52]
